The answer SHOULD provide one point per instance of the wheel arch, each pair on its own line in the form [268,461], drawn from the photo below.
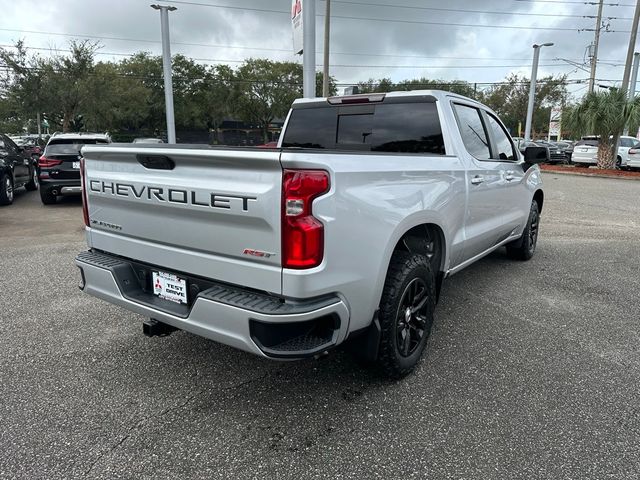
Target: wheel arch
[538,196]
[427,238]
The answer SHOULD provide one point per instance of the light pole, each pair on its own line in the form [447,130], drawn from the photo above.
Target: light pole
[325,68]
[309,48]
[532,89]
[166,68]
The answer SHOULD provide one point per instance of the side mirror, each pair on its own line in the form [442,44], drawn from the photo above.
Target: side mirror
[535,155]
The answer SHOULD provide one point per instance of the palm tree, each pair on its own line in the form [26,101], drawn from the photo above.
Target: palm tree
[604,114]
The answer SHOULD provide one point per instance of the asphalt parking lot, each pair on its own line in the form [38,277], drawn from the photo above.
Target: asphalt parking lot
[531,371]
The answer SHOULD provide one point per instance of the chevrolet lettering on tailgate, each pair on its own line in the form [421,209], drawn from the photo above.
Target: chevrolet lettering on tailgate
[172,195]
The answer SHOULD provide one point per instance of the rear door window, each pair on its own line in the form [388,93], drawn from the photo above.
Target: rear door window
[474,136]
[386,127]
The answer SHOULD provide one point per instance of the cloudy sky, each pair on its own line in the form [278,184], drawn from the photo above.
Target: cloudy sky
[479,42]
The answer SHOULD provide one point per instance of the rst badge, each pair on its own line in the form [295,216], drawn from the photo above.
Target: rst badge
[257,253]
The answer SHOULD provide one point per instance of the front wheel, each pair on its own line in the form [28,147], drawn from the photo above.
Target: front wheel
[406,313]
[525,246]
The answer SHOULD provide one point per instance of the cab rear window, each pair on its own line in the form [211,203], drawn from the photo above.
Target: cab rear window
[385,127]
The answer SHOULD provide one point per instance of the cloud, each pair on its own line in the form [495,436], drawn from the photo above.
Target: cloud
[377,48]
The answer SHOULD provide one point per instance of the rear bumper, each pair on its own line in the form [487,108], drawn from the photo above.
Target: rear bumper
[584,160]
[258,323]
[62,187]
[633,163]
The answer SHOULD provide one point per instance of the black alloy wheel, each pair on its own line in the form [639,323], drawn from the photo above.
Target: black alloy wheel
[411,319]
[532,238]
[405,315]
[525,246]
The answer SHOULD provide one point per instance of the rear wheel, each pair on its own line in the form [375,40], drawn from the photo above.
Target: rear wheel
[33,183]
[6,190]
[525,246]
[406,313]
[47,197]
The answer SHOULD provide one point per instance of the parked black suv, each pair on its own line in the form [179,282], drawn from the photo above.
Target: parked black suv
[60,164]
[16,170]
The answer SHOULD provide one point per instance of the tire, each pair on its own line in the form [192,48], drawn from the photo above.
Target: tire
[524,248]
[410,285]
[618,163]
[47,197]
[6,190]
[33,183]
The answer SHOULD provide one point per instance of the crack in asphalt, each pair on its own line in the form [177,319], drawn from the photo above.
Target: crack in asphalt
[140,425]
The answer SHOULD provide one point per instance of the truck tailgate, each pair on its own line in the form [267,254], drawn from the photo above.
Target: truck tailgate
[209,212]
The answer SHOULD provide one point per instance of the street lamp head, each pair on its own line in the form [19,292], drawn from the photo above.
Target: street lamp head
[548,44]
[160,7]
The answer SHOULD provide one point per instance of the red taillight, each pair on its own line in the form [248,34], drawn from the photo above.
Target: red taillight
[633,151]
[44,162]
[85,205]
[302,233]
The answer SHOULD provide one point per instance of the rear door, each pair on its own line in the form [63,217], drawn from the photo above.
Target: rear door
[18,161]
[203,211]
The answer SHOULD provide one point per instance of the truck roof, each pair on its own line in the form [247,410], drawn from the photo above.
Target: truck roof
[436,94]
[101,136]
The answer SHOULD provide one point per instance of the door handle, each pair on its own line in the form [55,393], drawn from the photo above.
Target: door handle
[477,180]
[510,176]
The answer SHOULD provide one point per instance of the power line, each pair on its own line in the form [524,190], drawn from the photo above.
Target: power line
[192,77]
[419,22]
[458,10]
[442,57]
[576,2]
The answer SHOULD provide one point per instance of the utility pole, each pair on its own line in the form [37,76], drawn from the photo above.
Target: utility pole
[166,68]
[309,49]
[632,47]
[327,31]
[532,88]
[594,58]
[632,85]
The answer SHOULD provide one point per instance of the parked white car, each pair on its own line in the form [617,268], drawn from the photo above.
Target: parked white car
[634,157]
[585,152]
[626,144]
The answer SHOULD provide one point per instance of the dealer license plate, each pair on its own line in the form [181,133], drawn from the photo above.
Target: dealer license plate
[76,165]
[170,287]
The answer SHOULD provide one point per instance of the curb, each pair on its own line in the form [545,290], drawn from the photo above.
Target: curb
[593,175]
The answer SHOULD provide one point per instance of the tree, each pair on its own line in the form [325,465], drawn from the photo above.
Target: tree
[604,114]
[372,85]
[510,98]
[68,78]
[22,86]
[456,86]
[266,90]
[143,72]
[333,90]
[220,97]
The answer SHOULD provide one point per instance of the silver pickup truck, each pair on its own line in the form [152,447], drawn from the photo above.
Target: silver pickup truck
[342,234]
